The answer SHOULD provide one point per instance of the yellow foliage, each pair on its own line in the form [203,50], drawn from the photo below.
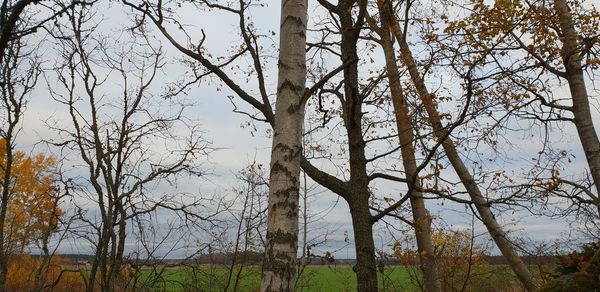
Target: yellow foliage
[22,274]
[459,260]
[33,210]
[531,25]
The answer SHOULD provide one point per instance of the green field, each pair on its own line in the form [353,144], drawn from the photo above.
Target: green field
[316,278]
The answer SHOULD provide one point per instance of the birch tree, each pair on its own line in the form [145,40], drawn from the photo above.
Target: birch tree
[279,268]
[341,42]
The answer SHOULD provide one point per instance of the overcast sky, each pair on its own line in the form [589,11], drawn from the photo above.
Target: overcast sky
[238,146]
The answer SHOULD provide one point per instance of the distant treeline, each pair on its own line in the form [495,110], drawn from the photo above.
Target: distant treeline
[255,258]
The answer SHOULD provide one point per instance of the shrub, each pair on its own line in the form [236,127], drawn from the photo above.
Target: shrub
[577,271]
[55,276]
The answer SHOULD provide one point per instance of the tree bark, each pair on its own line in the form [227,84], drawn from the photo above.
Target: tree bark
[13,106]
[279,268]
[582,116]
[421,218]
[9,18]
[365,267]
[4,253]
[358,197]
[481,204]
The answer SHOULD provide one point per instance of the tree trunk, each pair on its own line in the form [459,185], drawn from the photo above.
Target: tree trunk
[489,220]
[581,104]
[305,256]
[41,272]
[362,226]
[358,197]
[9,20]
[421,218]
[582,116]
[279,268]
[4,254]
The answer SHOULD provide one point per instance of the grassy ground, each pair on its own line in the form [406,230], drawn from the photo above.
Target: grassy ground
[342,278]
[316,278]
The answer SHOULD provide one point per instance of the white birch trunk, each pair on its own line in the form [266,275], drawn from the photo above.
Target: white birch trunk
[279,268]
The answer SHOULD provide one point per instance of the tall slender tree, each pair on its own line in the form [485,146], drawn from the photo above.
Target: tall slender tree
[442,134]
[279,268]
[556,41]
[572,54]
[19,72]
[406,137]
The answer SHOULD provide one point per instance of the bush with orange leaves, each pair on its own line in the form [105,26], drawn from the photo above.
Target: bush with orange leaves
[28,273]
[461,263]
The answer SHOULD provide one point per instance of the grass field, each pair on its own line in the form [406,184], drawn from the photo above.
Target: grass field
[316,278]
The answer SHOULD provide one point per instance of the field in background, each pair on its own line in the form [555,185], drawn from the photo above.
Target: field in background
[316,278]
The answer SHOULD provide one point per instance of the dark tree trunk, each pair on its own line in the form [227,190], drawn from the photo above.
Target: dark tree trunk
[365,267]
[3,210]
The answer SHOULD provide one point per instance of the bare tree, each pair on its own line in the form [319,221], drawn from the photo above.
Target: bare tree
[118,141]
[314,234]
[251,222]
[19,72]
